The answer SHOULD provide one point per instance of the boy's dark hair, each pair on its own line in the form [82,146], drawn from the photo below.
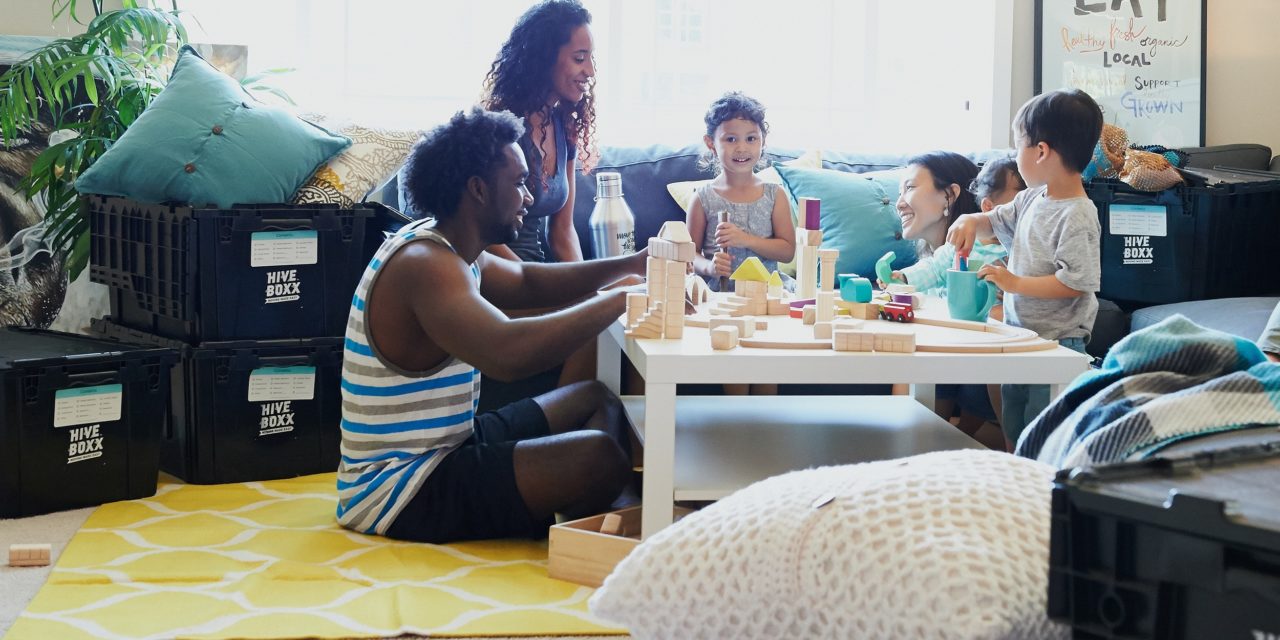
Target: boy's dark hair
[995,176]
[520,77]
[442,161]
[732,105]
[1068,120]
[950,168]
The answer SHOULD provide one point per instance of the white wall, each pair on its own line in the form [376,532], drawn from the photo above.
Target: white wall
[1242,73]
[1243,62]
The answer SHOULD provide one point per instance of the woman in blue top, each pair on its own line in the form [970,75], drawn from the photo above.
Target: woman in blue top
[544,74]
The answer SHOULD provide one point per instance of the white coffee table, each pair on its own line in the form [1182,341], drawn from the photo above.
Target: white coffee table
[666,363]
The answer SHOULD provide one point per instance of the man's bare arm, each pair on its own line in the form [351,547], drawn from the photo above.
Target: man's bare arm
[443,298]
[524,285]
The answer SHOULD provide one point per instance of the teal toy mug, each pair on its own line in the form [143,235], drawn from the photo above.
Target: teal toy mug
[969,297]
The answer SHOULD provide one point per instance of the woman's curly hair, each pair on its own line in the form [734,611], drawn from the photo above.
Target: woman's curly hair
[520,77]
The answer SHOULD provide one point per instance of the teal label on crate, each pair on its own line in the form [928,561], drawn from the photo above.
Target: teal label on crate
[282,286]
[83,405]
[282,383]
[283,248]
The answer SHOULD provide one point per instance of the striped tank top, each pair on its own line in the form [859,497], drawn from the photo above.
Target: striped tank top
[396,425]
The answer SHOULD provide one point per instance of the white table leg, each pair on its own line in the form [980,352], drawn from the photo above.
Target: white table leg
[925,394]
[609,362]
[1056,390]
[659,457]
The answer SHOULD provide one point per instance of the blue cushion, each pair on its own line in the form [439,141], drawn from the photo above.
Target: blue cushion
[205,140]
[858,216]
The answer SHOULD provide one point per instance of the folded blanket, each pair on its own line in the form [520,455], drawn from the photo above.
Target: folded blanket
[1170,381]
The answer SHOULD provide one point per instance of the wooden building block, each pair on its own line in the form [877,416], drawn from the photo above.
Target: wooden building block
[637,305]
[674,332]
[852,340]
[696,288]
[895,342]
[751,288]
[901,288]
[809,314]
[724,338]
[863,310]
[825,306]
[822,330]
[776,307]
[808,237]
[668,250]
[611,525]
[746,325]
[29,555]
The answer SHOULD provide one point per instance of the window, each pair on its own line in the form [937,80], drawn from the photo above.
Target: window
[860,75]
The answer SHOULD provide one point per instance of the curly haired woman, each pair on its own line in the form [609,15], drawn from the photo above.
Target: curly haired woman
[544,73]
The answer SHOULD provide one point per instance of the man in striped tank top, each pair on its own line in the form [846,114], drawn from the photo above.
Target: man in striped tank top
[417,463]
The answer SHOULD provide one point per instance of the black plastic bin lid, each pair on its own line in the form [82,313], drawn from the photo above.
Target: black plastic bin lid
[27,347]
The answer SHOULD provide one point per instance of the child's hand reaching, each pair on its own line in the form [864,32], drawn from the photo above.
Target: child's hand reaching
[998,275]
[729,234]
[896,276]
[964,233]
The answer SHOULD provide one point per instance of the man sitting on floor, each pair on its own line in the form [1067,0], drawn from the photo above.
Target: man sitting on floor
[417,463]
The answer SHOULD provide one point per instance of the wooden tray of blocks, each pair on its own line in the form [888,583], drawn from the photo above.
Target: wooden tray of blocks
[585,551]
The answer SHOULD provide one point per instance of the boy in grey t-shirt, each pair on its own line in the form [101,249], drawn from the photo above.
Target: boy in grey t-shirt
[1053,235]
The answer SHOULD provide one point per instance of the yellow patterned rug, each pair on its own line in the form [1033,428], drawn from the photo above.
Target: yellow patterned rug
[267,560]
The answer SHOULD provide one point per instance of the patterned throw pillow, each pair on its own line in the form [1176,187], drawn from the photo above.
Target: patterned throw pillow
[375,155]
[952,544]
[205,140]
[683,192]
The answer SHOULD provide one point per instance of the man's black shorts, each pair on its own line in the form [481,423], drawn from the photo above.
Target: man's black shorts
[472,494]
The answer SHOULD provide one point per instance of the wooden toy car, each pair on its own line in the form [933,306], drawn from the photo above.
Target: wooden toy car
[898,311]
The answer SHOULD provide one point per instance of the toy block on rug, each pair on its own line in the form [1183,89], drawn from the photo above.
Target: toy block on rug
[29,555]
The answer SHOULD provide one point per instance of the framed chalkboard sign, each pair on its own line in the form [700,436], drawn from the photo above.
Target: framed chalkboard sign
[1142,60]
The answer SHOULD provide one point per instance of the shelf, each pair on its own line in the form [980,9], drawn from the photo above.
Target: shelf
[724,443]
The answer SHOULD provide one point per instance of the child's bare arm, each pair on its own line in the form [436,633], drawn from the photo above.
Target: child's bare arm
[696,221]
[1033,287]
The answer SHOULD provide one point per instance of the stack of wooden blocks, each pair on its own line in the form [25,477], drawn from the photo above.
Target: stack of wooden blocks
[660,313]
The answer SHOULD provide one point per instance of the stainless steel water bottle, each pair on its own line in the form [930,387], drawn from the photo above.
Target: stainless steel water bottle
[613,227]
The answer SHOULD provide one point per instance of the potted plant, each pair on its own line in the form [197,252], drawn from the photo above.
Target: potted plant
[91,86]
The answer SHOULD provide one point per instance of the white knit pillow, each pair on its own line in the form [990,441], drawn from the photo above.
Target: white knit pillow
[952,544]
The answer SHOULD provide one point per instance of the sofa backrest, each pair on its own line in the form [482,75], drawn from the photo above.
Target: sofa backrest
[646,172]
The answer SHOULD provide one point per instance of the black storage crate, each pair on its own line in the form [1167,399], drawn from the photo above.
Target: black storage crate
[1206,242]
[219,432]
[81,420]
[253,272]
[1172,549]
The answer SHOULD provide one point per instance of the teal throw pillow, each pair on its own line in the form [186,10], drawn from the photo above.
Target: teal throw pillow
[204,140]
[858,216]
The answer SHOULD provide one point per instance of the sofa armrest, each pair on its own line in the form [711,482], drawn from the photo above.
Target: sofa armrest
[1244,317]
[1240,156]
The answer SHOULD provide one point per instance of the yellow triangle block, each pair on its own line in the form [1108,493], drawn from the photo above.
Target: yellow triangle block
[751,269]
[775,280]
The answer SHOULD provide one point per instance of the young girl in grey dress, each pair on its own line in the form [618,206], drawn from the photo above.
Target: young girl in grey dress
[758,216]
